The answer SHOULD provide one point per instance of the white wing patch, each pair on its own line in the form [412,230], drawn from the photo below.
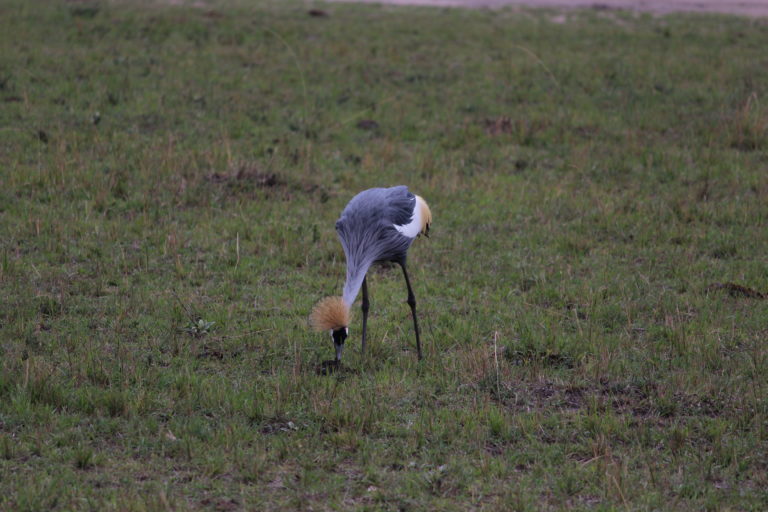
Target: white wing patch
[412,229]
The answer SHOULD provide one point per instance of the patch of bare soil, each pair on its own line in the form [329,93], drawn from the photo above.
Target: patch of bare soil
[623,398]
[248,180]
[737,290]
[246,175]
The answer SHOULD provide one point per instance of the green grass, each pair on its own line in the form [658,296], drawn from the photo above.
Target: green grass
[590,181]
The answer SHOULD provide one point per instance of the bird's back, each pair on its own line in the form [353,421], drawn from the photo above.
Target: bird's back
[378,224]
[367,224]
[386,206]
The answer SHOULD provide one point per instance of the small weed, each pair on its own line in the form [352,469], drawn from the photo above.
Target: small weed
[84,458]
[533,356]
[7,450]
[497,424]
[115,402]
[748,127]
[198,328]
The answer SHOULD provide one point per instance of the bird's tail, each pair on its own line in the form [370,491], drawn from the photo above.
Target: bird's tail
[330,313]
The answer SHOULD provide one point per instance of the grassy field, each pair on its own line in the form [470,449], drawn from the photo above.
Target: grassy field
[590,295]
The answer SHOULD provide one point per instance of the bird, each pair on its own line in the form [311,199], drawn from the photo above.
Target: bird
[377,225]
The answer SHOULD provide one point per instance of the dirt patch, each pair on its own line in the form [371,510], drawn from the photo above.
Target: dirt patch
[642,402]
[738,7]
[498,126]
[736,290]
[250,181]
[246,176]
[277,426]
[333,367]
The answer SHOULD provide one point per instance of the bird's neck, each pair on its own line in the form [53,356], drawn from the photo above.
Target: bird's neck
[355,275]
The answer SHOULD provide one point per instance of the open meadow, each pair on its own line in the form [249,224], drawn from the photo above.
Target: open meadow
[592,295]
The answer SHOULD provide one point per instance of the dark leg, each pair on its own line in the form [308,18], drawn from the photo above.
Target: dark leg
[412,303]
[365,306]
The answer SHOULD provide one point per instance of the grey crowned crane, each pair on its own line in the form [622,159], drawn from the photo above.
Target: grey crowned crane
[378,225]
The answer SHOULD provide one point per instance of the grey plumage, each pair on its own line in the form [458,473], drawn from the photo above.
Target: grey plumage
[367,232]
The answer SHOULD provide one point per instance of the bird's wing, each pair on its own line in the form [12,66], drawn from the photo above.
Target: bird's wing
[399,205]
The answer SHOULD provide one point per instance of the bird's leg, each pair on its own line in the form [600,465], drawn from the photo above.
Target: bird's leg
[365,306]
[412,303]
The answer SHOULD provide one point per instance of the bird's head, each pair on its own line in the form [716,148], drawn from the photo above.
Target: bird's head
[332,315]
[339,336]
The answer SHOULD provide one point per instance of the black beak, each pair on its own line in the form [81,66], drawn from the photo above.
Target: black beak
[339,348]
